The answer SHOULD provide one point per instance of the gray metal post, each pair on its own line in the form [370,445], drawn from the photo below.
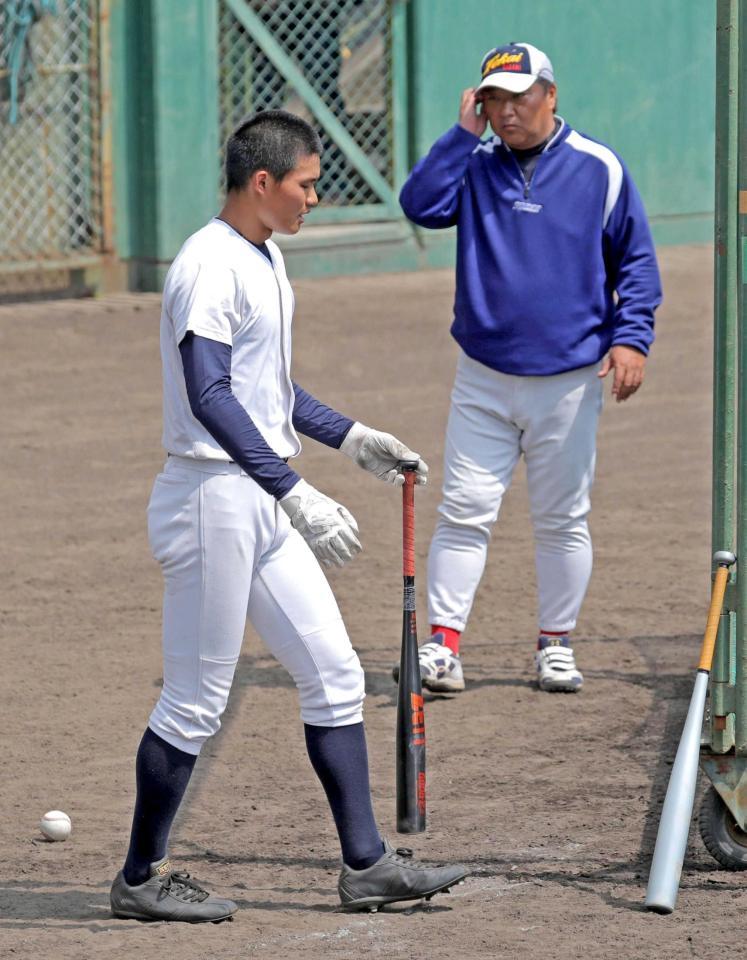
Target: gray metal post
[725,352]
[740,721]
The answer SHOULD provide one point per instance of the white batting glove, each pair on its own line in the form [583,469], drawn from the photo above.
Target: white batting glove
[328,528]
[381,453]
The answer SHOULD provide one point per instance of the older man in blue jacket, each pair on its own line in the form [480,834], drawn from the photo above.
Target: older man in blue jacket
[556,287]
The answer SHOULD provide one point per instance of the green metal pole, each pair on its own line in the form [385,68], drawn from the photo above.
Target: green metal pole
[399,92]
[165,128]
[725,353]
[740,722]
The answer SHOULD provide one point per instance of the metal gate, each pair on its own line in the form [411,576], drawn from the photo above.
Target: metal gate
[51,210]
[330,61]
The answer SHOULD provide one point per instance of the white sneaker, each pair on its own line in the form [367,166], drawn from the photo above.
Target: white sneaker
[440,667]
[556,666]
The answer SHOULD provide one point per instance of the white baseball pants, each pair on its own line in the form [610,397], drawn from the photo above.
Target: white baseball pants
[228,552]
[494,419]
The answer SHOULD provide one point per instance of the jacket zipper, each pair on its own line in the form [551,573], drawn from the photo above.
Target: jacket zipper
[528,183]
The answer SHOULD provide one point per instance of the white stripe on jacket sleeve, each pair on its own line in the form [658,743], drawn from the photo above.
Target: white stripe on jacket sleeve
[614,168]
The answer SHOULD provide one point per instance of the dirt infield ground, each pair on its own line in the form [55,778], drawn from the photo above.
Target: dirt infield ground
[551,800]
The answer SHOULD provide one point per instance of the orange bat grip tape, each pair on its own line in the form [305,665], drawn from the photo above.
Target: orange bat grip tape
[714,612]
[408,524]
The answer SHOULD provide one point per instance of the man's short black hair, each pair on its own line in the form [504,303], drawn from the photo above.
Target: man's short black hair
[271,140]
[546,84]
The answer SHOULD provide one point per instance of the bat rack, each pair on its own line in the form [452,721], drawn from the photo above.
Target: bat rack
[723,760]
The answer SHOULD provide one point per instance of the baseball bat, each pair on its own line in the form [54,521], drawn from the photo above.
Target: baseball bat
[676,814]
[410,739]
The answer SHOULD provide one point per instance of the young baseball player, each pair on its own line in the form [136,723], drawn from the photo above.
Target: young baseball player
[556,286]
[239,534]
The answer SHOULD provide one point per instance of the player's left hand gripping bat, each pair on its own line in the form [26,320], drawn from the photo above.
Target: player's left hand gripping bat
[410,715]
[676,814]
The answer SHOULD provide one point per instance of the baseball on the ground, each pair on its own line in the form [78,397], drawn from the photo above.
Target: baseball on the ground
[55,825]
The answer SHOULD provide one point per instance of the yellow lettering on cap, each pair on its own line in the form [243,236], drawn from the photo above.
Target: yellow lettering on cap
[501,60]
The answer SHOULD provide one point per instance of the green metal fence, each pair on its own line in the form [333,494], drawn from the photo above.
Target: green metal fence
[330,61]
[380,79]
[50,140]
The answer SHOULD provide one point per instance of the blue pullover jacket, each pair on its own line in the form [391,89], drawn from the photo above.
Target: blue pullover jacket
[550,273]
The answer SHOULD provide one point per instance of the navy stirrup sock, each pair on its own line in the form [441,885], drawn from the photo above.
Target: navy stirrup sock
[162,773]
[338,755]
[340,759]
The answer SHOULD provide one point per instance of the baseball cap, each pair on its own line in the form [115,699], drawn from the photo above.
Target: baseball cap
[515,67]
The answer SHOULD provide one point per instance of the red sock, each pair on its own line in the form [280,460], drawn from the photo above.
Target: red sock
[451,637]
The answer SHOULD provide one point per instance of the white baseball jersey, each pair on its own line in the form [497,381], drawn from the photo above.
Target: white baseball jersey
[222,287]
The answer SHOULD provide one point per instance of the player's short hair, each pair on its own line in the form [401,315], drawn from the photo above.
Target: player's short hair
[271,140]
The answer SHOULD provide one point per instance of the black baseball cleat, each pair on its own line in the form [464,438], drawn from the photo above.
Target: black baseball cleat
[396,876]
[167,896]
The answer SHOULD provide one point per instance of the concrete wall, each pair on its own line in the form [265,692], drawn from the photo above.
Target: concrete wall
[164,66]
[637,74]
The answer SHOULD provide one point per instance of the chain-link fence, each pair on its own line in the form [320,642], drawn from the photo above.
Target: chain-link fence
[327,60]
[50,188]
[342,50]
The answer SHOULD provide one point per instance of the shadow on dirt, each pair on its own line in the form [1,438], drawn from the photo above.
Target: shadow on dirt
[651,742]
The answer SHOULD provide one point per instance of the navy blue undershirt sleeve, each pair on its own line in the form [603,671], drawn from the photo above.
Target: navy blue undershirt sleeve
[207,375]
[314,419]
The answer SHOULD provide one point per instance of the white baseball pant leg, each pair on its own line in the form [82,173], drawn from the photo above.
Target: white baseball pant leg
[228,552]
[493,420]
